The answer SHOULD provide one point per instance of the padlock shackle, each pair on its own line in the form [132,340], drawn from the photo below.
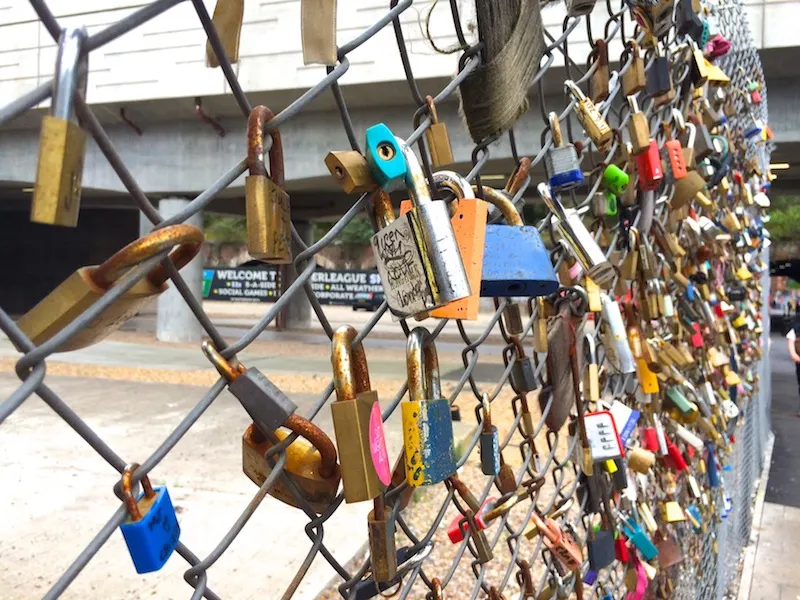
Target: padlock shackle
[382,209]
[350,370]
[571,87]
[503,204]
[72,69]
[519,177]
[259,117]
[127,493]
[436,589]
[188,238]
[422,364]
[432,110]
[317,438]
[415,177]
[225,368]
[455,183]
[486,412]
[555,129]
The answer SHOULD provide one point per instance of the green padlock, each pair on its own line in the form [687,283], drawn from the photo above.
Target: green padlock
[615,180]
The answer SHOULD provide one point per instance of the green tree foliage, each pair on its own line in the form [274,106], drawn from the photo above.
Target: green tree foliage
[784,213]
[224,228]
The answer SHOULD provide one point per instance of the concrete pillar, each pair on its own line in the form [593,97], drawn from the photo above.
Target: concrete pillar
[174,321]
[298,313]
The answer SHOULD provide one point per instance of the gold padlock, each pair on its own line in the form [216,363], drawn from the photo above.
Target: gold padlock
[634,79]
[310,463]
[62,145]
[353,419]
[438,141]
[597,128]
[598,83]
[88,284]
[671,512]
[269,226]
[351,171]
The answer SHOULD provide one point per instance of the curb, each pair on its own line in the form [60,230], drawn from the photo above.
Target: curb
[749,562]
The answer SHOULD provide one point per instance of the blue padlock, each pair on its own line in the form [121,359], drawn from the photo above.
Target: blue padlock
[562,163]
[151,531]
[515,261]
[712,468]
[427,425]
[385,158]
[633,531]
[695,518]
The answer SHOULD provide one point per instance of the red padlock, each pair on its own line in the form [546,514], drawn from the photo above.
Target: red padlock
[459,528]
[648,165]
[697,337]
[650,439]
[676,460]
[621,549]
[755,97]
[672,153]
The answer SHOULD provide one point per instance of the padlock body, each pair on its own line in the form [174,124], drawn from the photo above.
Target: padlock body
[594,123]
[71,298]
[403,274]
[490,452]
[351,421]
[615,179]
[687,188]
[522,375]
[269,227]
[639,132]
[672,153]
[634,79]
[351,171]
[586,250]
[382,551]
[600,547]
[648,164]
[302,466]
[563,168]
[384,157]
[516,263]
[428,438]
[439,145]
[658,81]
[57,193]
[266,404]
[152,539]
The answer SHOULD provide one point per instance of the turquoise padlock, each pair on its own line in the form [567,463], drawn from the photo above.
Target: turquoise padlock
[151,531]
[427,425]
[385,158]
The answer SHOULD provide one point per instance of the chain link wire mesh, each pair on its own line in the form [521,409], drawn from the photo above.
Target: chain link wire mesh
[711,558]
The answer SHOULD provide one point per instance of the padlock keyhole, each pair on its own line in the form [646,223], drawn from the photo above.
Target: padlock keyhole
[386,151]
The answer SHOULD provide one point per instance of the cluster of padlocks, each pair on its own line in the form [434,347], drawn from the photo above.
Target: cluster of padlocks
[648,321]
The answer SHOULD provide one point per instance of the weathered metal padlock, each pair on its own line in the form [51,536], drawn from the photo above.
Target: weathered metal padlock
[616,340]
[489,444]
[482,548]
[357,421]
[267,405]
[559,542]
[269,225]
[351,171]
[634,79]
[659,81]
[515,261]
[438,141]
[688,22]
[561,163]
[417,254]
[522,373]
[593,122]
[427,428]
[382,548]
[151,530]
[580,241]
[638,129]
[62,144]
[87,285]
[598,83]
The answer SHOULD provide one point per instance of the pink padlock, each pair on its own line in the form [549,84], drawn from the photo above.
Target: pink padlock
[697,337]
[459,528]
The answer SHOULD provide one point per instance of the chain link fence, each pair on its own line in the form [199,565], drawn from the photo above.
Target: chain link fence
[711,557]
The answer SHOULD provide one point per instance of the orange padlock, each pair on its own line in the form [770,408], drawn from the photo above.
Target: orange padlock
[469,225]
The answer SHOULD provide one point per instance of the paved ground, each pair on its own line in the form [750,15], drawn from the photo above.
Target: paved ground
[777,551]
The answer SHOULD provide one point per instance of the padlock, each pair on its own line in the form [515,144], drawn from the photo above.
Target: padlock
[540,330]
[525,580]
[512,319]
[688,189]
[598,83]
[600,548]
[703,145]
[698,66]
[658,76]
[659,14]
[630,264]
[633,531]
[483,551]
[641,460]
[591,377]
[688,22]
[672,155]
[427,428]
[522,374]
[438,141]
[62,143]
[559,542]
[616,181]
[595,125]
[638,129]
[310,463]
[648,165]
[634,79]
[357,420]
[489,444]
[578,8]
[269,226]
[561,163]
[151,530]
[671,512]
[580,241]
[84,287]
[351,171]
[515,261]
[417,254]
[469,227]
[458,527]
[367,588]
[386,159]
[382,550]
[616,340]
[265,403]
[506,480]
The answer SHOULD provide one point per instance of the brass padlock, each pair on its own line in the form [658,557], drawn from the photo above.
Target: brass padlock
[598,83]
[87,285]
[633,79]
[351,171]
[269,227]
[382,551]
[310,463]
[638,129]
[356,419]
[597,128]
[438,141]
[62,145]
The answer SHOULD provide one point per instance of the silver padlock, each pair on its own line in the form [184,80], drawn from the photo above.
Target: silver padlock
[580,241]
[424,236]
[561,163]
